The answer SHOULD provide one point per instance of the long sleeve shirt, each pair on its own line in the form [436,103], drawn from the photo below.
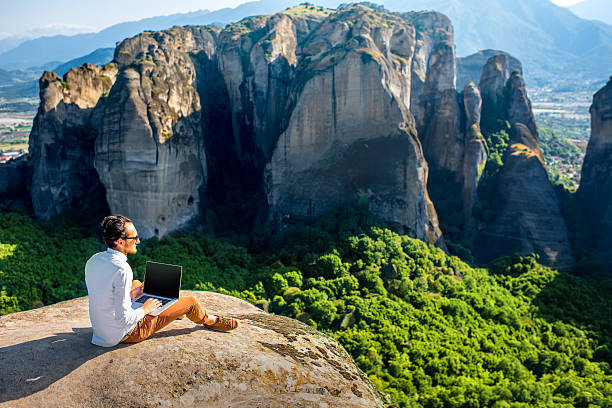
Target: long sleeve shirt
[109,281]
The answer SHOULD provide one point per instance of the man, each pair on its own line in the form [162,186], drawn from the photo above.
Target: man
[111,289]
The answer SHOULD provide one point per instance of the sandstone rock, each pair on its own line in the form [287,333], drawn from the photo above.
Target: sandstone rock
[495,75]
[595,189]
[269,361]
[528,218]
[435,32]
[475,153]
[150,151]
[469,68]
[61,142]
[13,184]
[350,135]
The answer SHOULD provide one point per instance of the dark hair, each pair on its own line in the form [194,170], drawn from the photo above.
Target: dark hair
[113,228]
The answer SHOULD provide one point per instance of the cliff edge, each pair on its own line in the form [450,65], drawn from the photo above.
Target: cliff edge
[272,361]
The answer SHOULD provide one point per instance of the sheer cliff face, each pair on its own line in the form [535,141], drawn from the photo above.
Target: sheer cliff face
[293,114]
[61,144]
[350,134]
[596,181]
[150,153]
[528,217]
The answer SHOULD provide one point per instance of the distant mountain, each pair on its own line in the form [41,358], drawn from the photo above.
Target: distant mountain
[593,10]
[99,57]
[14,77]
[40,51]
[550,41]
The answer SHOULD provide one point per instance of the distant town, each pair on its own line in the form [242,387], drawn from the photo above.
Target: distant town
[14,133]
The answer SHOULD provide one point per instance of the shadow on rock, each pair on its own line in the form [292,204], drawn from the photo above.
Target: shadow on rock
[29,367]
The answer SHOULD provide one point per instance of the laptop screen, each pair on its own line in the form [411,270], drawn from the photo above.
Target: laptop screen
[162,279]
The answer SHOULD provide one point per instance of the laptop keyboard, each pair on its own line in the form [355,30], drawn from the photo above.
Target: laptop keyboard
[144,298]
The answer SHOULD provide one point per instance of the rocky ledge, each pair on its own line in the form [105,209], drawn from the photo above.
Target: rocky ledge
[272,361]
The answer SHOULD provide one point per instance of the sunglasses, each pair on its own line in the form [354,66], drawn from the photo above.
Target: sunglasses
[126,237]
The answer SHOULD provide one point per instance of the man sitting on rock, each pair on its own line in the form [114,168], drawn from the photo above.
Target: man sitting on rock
[111,289]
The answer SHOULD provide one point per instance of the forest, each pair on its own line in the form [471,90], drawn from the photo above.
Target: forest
[427,328]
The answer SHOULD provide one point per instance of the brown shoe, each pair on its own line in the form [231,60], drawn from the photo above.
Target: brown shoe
[223,324]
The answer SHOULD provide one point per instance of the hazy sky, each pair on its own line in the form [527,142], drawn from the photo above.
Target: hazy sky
[48,17]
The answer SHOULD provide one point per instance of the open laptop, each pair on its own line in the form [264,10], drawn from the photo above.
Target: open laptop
[163,282]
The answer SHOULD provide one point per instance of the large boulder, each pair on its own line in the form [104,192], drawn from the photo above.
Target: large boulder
[595,189]
[269,361]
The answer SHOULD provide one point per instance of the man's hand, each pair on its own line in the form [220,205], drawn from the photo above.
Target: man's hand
[150,305]
[137,291]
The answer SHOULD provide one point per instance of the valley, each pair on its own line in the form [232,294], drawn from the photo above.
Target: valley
[15,129]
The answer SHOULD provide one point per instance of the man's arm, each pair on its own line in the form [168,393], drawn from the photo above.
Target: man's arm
[137,291]
[122,287]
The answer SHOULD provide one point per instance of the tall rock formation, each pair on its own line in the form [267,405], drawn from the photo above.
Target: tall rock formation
[469,68]
[447,122]
[150,152]
[61,142]
[595,189]
[528,218]
[350,134]
[292,113]
[475,153]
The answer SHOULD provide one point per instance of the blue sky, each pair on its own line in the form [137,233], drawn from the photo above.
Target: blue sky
[49,17]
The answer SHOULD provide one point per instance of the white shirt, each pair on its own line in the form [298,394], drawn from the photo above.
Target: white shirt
[109,281]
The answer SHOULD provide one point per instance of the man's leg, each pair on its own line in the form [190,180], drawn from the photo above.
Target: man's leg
[189,306]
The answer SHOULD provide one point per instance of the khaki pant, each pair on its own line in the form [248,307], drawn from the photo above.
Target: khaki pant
[151,324]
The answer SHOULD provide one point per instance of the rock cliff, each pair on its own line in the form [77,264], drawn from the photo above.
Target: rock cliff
[271,361]
[13,184]
[595,189]
[351,134]
[469,68]
[150,151]
[61,143]
[528,218]
[290,114]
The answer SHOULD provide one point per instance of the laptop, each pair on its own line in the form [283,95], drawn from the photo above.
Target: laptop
[163,282]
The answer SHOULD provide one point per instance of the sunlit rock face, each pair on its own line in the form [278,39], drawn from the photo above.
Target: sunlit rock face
[150,153]
[350,134]
[61,142]
[595,189]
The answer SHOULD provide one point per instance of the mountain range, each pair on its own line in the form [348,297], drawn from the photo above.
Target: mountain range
[557,48]
[593,10]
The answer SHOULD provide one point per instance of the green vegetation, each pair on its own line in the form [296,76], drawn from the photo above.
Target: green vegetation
[563,158]
[425,327]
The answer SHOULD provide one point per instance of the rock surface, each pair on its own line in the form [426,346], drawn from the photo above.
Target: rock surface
[269,361]
[528,218]
[350,135]
[13,184]
[469,68]
[595,189]
[61,142]
[150,151]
